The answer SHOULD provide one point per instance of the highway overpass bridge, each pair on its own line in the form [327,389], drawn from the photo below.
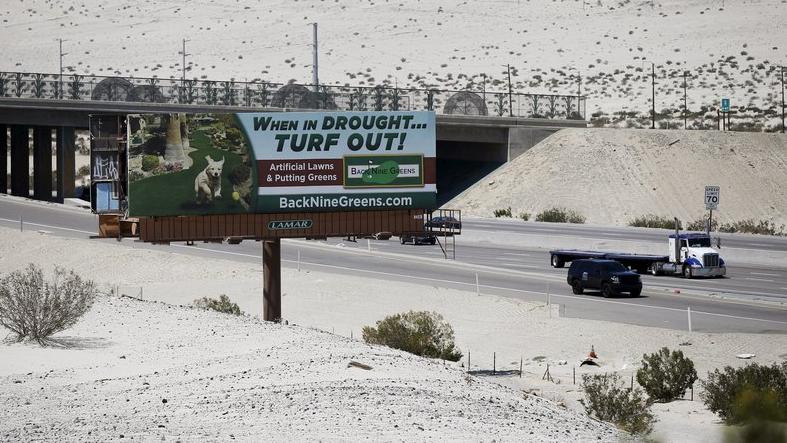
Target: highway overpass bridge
[470,143]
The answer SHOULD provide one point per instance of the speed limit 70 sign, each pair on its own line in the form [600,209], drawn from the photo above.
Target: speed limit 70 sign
[711,197]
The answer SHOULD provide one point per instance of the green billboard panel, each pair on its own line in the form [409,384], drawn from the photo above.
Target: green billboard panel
[199,164]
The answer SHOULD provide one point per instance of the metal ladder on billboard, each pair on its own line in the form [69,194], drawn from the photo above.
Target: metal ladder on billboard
[446,224]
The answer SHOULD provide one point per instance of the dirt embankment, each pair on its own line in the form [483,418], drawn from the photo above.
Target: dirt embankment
[612,176]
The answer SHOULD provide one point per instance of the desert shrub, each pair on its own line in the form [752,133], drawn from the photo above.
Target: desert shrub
[417,332]
[240,174]
[222,304]
[666,375]
[748,226]
[741,395]
[83,170]
[525,216]
[699,224]
[654,221]
[560,215]
[575,217]
[608,399]
[150,162]
[34,308]
[503,212]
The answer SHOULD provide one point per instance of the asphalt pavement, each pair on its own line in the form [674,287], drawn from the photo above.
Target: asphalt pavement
[717,305]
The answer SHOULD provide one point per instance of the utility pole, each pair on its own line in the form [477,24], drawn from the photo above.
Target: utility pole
[183,68]
[782,99]
[60,87]
[315,65]
[510,95]
[579,91]
[685,100]
[483,88]
[653,99]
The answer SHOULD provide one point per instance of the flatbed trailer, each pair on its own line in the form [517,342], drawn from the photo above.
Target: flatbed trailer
[639,262]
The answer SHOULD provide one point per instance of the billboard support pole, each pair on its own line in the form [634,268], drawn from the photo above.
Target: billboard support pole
[271,276]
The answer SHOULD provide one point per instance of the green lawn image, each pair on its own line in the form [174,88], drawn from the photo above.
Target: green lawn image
[173,193]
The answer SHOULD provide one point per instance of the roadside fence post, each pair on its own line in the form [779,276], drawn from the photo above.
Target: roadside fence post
[520,367]
[494,363]
[299,260]
[574,370]
[368,245]
[477,287]
[21,224]
[688,311]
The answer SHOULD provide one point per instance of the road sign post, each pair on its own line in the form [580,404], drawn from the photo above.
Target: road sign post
[711,203]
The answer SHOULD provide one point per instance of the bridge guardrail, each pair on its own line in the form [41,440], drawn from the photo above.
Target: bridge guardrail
[262,94]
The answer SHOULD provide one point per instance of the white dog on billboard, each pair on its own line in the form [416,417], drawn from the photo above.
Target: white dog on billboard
[207,185]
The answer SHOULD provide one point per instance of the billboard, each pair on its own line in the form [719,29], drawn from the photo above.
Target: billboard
[199,164]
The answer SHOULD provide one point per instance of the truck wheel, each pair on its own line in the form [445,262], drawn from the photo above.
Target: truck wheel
[606,290]
[654,269]
[401,239]
[576,287]
[557,262]
[687,273]
[433,242]
[636,293]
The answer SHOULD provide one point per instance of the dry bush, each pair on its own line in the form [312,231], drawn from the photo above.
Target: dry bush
[607,399]
[35,309]
[503,212]
[560,215]
[666,375]
[653,221]
[223,304]
[417,332]
[741,395]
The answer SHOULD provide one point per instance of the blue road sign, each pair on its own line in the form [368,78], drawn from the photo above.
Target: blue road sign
[725,105]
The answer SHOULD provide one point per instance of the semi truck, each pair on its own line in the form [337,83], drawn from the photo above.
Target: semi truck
[690,255]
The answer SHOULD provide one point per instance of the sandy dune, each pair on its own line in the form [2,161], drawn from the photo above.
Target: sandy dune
[612,176]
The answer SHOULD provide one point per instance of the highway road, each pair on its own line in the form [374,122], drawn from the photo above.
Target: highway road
[717,305]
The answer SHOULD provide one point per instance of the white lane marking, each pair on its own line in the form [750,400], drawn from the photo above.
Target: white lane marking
[517,254]
[758,279]
[49,226]
[574,297]
[764,273]
[518,265]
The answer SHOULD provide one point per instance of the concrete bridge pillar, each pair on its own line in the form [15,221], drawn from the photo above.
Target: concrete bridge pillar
[3,159]
[20,164]
[42,163]
[65,162]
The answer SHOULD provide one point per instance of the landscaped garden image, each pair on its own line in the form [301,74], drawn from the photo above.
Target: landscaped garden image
[195,164]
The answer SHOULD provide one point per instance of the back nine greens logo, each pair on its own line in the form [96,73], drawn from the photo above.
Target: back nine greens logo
[375,171]
[275,225]
[383,174]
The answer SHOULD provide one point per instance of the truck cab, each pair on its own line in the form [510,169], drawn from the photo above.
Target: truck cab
[692,255]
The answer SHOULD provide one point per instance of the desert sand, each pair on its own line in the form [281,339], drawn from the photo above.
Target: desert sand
[187,347]
[612,176]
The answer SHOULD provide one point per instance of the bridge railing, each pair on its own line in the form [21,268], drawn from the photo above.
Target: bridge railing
[261,94]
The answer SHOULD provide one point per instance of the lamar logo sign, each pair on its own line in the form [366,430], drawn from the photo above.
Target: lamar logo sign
[276,225]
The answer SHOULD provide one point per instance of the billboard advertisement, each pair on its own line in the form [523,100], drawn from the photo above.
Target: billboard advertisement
[199,164]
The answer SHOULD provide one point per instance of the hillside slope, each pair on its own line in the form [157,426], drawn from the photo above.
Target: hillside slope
[612,176]
[144,370]
[436,44]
